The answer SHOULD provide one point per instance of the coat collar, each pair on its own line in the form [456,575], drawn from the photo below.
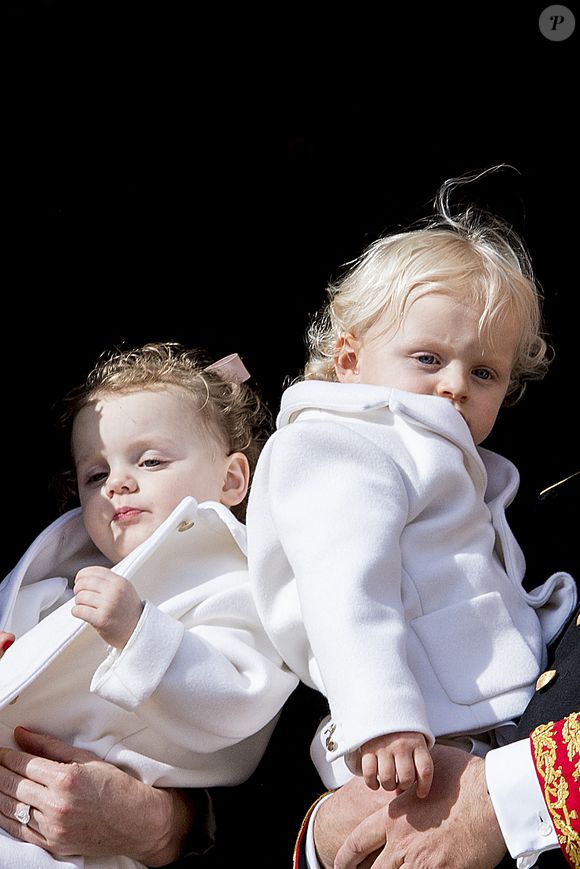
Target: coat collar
[432,412]
[64,547]
[204,523]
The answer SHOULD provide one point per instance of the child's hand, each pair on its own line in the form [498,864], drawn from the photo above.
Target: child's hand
[108,602]
[396,761]
[6,640]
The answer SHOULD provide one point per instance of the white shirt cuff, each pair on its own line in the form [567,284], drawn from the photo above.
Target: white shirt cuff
[311,857]
[518,802]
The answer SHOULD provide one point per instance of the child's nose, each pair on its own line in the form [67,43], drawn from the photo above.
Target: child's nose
[453,384]
[119,483]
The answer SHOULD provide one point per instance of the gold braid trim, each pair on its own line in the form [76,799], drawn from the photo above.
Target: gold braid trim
[555,744]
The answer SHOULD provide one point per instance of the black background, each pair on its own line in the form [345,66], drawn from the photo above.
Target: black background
[199,175]
[173,172]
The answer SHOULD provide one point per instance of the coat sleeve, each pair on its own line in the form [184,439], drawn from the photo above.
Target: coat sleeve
[210,682]
[337,505]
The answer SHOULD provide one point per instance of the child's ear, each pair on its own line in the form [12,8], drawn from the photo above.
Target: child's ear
[236,480]
[346,359]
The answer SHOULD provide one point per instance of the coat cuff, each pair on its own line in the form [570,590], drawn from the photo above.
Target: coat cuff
[128,677]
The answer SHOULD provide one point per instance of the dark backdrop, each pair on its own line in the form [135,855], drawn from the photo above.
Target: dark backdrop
[198,174]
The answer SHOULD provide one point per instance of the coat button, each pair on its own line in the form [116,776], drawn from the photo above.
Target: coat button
[185,526]
[545,679]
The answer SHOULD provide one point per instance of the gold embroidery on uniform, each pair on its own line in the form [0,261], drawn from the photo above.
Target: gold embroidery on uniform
[556,791]
[571,737]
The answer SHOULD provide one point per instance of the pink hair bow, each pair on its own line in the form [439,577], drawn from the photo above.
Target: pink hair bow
[230,368]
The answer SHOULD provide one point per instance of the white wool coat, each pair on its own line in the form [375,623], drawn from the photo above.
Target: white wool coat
[384,569]
[191,700]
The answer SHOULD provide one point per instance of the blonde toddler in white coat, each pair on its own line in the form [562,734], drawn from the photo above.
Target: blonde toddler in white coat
[381,560]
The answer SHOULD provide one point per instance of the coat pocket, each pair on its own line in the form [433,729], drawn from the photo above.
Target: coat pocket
[476,650]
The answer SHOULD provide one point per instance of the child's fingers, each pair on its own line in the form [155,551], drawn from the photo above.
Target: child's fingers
[424,768]
[369,769]
[405,769]
[387,771]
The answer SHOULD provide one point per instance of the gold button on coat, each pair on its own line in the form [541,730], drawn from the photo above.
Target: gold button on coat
[545,679]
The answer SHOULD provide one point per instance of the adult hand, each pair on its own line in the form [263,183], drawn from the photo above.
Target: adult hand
[342,813]
[83,805]
[454,828]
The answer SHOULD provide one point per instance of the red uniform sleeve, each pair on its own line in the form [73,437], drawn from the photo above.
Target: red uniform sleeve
[556,754]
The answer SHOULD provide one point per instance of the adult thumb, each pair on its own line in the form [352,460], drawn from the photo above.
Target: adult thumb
[43,745]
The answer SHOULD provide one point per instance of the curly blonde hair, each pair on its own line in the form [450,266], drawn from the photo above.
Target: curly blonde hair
[232,412]
[474,255]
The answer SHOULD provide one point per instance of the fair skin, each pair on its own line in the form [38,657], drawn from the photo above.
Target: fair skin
[82,805]
[436,351]
[137,455]
[456,828]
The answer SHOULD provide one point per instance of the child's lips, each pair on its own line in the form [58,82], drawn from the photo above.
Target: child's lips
[125,514]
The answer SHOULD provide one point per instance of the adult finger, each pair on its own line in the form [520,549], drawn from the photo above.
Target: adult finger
[390,859]
[21,773]
[51,748]
[16,792]
[425,770]
[27,778]
[29,832]
[369,836]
